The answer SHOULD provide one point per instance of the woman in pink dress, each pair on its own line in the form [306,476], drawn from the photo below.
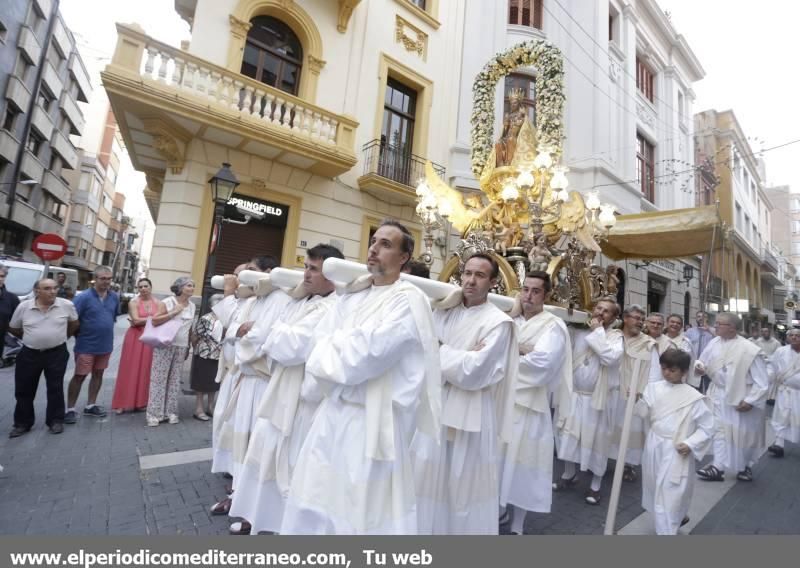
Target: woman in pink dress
[133,379]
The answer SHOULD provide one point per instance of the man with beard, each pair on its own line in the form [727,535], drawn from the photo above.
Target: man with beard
[376,358]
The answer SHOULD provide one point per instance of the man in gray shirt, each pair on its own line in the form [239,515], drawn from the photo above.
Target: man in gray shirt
[44,324]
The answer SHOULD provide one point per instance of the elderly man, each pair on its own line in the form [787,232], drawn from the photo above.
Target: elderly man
[584,426]
[639,366]
[376,358]
[8,303]
[739,385]
[786,415]
[654,327]
[97,309]
[44,324]
[287,407]
[545,366]
[457,481]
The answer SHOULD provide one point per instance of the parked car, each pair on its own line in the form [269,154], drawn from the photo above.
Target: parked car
[22,275]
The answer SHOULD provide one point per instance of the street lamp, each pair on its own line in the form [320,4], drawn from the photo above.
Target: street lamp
[222,185]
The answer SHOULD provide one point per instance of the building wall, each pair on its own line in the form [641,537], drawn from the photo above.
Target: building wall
[43,207]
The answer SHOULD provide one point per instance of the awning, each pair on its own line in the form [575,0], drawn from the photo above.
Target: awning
[665,234]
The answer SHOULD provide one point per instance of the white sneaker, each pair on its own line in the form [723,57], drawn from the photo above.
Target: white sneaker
[152,421]
[173,419]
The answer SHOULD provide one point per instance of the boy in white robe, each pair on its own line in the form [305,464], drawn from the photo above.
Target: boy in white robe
[375,356]
[583,426]
[739,385]
[545,365]
[786,413]
[457,480]
[283,412]
[681,427]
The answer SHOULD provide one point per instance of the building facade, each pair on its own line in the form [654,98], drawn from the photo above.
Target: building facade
[42,199]
[328,111]
[745,273]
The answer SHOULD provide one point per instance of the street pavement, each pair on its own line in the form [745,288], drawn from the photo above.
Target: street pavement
[116,476]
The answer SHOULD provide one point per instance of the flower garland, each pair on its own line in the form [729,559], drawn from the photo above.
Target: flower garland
[549,96]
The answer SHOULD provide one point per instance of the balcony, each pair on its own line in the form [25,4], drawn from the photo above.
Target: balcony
[81,76]
[64,148]
[83,232]
[61,37]
[44,224]
[42,122]
[74,114]
[8,146]
[18,93]
[163,97]
[75,262]
[56,187]
[29,46]
[32,167]
[51,79]
[391,174]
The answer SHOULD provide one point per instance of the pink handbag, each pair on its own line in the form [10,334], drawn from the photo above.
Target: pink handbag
[160,335]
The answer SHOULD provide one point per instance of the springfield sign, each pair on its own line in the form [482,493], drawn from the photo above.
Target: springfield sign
[274,213]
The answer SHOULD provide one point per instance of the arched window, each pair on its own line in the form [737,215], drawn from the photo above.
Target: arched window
[273,54]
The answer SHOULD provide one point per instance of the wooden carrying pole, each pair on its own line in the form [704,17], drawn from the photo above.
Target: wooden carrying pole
[616,485]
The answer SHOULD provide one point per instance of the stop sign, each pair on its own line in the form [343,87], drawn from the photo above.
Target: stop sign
[49,246]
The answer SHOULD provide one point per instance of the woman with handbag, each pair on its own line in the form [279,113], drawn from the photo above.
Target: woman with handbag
[133,380]
[165,380]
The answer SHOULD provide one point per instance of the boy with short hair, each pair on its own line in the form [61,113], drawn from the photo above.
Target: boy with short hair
[681,426]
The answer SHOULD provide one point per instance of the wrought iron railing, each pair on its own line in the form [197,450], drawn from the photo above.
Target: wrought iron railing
[395,163]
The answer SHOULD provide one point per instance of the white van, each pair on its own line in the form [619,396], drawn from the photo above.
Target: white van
[22,275]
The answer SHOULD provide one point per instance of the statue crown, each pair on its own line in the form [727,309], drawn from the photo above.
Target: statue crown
[516,95]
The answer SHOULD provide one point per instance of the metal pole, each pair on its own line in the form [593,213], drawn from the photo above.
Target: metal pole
[211,264]
[26,130]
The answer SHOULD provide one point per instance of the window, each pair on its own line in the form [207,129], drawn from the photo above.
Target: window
[101,229]
[795,227]
[752,190]
[528,86]
[10,118]
[24,191]
[36,20]
[747,227]
[35,142]
[419,3]
[111,176]
[107,203]
[397,132]
[89,219]
[613,24]
[45,100]
[22,69]
[645,161]
[56,165]
[746,178]
[273,54]
[3,32]
[644,79]
[55,208]
[519,13]
[681,107]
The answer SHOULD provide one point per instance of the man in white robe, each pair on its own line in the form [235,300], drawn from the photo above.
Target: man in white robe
[678,340]
[375,355]
[739,385]
[457,480]
[680,431]
[284,414]
[786,413]
[639,366]
[654,327]
[545,365]
[583,427]
[768,345]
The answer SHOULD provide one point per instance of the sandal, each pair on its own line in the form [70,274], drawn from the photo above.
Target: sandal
[221,508]
[241,528]
[565,483]
[203,417]
[711,473]
[629,473]
[592,497]
[745,475]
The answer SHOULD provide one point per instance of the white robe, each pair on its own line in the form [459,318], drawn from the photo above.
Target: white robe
[684,344]
[668,477]
[336,487]
[232,313]
[261,489]
[457,480]
[527,467]
[786,413]
[739,437]
[240,413]
[583,430]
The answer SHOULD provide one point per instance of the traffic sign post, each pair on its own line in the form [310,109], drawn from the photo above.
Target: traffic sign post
[49,246]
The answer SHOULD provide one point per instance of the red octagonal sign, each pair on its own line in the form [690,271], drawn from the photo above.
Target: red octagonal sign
[49,246]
